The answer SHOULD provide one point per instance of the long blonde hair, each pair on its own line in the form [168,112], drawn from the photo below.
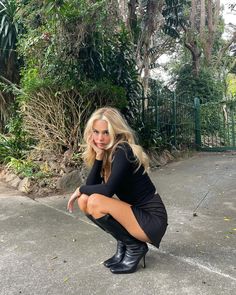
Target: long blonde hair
[119,132]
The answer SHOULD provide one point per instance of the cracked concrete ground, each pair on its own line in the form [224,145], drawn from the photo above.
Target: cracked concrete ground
[44,250]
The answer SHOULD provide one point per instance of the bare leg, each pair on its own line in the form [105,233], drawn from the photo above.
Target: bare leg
[99,205]
[82,203]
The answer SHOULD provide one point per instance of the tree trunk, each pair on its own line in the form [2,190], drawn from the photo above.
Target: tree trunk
[196,62]
[202,20]
[193,14]
[209,41]
[196,53]
[132,17]
[213,12]
[152,20]
[123,9]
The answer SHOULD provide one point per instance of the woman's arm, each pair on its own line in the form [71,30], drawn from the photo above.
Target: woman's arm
[94,176]
[75,195]
[121,168]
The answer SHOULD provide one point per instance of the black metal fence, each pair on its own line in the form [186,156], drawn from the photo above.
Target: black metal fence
[171,118]
[217,125]
[175,122]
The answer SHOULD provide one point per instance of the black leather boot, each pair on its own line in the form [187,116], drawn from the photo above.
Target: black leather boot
[120,250]
[135,249]
[118,256]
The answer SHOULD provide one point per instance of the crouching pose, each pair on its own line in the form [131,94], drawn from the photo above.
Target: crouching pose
[119,167]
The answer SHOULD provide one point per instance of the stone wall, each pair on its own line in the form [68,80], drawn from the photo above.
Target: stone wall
[68,180]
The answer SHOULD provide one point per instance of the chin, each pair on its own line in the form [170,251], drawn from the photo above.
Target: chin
[103,147]
[106,148]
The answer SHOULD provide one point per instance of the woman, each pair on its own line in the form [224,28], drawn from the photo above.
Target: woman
[119,167]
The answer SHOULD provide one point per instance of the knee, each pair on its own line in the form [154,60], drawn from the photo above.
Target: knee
[82,202]
[93,204]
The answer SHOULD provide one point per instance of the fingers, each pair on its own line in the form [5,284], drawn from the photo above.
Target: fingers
[70,204]
[94,147]
[99,152]
[92,144]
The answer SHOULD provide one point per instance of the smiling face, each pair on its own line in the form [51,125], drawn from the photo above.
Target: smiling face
[101,136]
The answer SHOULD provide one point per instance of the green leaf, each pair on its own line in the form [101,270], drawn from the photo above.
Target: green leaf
[2,23]
[6,28]
[10,38]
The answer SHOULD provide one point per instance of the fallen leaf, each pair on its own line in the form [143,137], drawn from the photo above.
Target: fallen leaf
[55,257]
[226,219]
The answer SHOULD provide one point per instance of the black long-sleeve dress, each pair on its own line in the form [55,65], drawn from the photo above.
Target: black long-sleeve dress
[131,186]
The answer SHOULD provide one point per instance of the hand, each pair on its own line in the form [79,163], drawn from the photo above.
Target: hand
[75,196]
[99,152]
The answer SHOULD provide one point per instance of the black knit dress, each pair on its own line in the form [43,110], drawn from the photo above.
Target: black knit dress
[133,187]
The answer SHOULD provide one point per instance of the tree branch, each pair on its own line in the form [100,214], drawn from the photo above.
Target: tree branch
[224,49]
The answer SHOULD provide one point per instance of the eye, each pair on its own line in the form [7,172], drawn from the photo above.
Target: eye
[95,131]
[106,132]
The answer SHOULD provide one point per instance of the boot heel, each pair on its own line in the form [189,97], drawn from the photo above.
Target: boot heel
[144,261]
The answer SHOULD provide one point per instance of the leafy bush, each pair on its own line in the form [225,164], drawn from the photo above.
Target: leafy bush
[26,168]
[206,86]
[16,142]
[11,147]
[56,118]
[23,168]
[101,93]
[150,137]
[74,63]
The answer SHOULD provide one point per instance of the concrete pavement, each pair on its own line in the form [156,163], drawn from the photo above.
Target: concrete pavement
[44,250]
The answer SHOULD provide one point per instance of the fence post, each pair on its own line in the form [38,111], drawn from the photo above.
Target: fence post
[197,122]
[233,125]
[143,108]
[157,111]
[174,117]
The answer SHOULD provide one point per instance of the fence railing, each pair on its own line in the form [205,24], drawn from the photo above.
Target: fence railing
[175,122]
[218,125]
[172,119]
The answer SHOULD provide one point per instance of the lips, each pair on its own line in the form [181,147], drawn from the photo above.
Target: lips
[100,144]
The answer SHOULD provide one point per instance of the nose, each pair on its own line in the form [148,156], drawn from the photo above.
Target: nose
[100,137]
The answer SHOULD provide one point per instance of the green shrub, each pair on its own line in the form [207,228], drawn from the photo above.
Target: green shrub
[206,86]
[10,147]
[26,168]
[16,142]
